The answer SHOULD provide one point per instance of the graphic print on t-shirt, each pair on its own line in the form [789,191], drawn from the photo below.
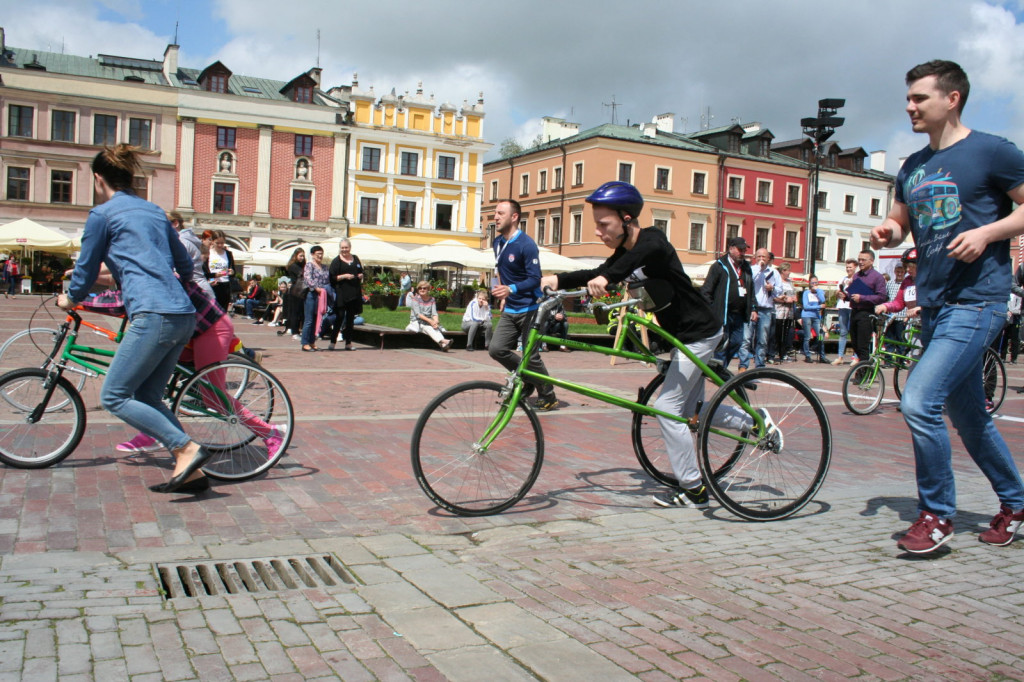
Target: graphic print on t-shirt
[934,200]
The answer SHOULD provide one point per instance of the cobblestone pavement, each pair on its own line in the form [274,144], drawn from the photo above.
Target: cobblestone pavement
[583,580]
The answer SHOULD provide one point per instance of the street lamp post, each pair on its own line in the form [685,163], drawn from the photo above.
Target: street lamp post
[820,129]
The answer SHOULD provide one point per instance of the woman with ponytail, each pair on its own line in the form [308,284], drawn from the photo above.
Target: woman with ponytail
[142,251]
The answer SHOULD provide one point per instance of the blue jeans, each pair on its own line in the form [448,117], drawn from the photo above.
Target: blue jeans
[844,330]
[309,334]
[812,324]
[735,332]
[949,372]
[133,390]
[759,332]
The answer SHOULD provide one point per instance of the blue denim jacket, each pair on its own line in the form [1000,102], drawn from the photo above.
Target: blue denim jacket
[141,250]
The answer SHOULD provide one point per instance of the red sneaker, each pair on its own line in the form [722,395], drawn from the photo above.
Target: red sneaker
[926,534]
[1003,527]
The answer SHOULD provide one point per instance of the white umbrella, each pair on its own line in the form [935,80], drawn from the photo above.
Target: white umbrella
[552,261]
[29,234]
[266,257]
[371,249]
[451,251]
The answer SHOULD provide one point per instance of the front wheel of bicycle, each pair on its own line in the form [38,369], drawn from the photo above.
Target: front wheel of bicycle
[781,465]
[31,348]
[239,411]
[456,470]
[55,435]
[863,387]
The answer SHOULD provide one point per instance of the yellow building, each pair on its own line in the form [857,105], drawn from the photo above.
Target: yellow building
[415,169]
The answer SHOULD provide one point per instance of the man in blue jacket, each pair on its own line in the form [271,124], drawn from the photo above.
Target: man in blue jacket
[517,262]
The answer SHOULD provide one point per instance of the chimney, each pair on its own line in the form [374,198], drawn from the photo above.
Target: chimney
[3,41]
[665,122]
[649,129]
[878,161]
[315,74]
[170,62]
[557,128]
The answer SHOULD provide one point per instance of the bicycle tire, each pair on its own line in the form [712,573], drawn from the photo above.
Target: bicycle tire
[649,443]
[863,387]
[994,378]
[454,471]
[214,407]
[897,382]
[25,349]
[780,474]
[58,431]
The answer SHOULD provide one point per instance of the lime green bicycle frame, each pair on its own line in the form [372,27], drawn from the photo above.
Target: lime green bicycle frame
[618,350]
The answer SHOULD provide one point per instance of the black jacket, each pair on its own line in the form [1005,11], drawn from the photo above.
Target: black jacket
[722,282]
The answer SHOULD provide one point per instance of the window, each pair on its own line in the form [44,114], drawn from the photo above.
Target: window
[577,227]
[494,190]
[140,132]
[303,145]
[577,173]
[823,200]
[60,186]
[876,207]
[303,94]
[410,163]
[761,238]
[19,121]
[848,205]
[626,172]
[764,191]
[558,178]
[735,187]
[407,214]
[731,231]
[446,167]
[62,126]
[368,210]
[819,248]
[524,184]
[793,196]
[790,246]
[443,217]
[540,230]
[217,82]
[696,236]
[556,229]
[140,185]
[17,184]
[841,251]
[223,197]
[302,204]
[866,246]
[542,181]
[700,183]
[371,159]
[661,178]
[104,129]
[225,138]
[661,224]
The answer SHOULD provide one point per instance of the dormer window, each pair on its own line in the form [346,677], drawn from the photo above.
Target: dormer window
[303,94]
[217,82]
[215,77]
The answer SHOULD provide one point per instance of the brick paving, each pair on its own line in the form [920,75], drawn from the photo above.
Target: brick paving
[584,579]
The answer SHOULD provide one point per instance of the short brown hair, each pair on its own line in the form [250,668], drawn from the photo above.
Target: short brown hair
[949,77]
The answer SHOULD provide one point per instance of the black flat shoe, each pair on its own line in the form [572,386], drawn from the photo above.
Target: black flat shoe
[198,460]
[193,487]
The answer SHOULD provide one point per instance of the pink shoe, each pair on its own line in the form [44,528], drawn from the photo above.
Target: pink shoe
[275,440]
[141,443]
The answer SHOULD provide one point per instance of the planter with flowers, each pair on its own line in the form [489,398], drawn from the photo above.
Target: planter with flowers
[441,293]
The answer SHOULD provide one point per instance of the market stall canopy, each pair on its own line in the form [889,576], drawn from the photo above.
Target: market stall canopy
[552,261]
[373,250]
[451,251]
[828,275]
[265,257]
[698,272]
[25,233]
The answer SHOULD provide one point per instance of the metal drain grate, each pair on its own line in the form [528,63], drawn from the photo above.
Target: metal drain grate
[250,576]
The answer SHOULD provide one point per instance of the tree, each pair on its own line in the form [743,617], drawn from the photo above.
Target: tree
[509,147]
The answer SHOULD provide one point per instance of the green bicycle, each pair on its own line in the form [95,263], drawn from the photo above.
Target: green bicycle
[43,417]
[764,439]
[864,384]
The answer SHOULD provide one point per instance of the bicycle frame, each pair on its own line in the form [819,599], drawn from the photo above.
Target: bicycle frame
[535,338]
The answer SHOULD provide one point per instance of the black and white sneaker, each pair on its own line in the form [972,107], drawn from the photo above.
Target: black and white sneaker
[693,498]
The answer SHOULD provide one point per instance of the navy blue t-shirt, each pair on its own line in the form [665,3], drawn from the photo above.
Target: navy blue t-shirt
[953,190]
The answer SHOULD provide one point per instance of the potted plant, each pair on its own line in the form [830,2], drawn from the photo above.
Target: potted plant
[390,292]
[373,288]
[442,294]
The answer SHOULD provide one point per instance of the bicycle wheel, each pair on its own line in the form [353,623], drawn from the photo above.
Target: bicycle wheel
[899,377]
[648,442]
[780,473]
[238,410]
[462,476]
[31,348]
[863,387]
[57,433]
[994,376]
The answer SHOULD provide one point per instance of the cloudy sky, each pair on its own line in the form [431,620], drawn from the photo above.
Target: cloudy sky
[737,59]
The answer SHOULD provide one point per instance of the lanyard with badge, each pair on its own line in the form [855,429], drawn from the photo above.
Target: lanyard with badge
[495,280]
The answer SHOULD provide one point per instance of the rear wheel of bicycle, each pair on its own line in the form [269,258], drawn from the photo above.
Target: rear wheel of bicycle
[648,441]
[779,470]
[899,378]
[58,431]
[994,377]
[863,387]
[239,411]
[455,471]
